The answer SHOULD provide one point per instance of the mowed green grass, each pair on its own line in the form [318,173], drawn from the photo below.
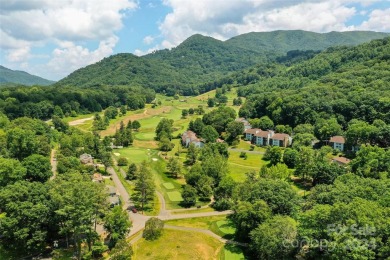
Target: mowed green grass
[202,222]
[134,154]
[232,252]
[226,227]
[168,185]
[239,166]
[175,196]
[177,244]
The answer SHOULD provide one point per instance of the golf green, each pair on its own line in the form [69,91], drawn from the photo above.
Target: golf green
[226,227]
[175,196]
[168,186]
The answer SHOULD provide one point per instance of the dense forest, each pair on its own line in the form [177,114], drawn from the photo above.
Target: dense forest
[203,60]
[341,212]
[44,102]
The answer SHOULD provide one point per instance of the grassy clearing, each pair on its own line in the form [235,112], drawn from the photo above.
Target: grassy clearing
[226,227]
[175,244]
[168,185]
[239,166]
[172,196]
[232,252]
[134,154]
[175,196]
[203,222]
[70,119]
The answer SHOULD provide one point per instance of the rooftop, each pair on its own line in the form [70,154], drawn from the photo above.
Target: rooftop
[337,139]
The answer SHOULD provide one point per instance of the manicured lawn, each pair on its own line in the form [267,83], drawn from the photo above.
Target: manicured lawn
[175,196]
[226,227]
[239,166]
[168,185]
[172,196]
[177,244]
[203,222]
[232,252]
[133,154]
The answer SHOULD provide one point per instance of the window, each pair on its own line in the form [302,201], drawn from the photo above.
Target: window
[275,142]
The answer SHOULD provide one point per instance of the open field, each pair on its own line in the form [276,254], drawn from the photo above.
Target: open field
[232,252]
[176,244]
[204,222]
[239,166]
[174,196]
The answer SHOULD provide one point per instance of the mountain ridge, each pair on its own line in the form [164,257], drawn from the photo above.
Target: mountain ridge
[200,59]
[19,77]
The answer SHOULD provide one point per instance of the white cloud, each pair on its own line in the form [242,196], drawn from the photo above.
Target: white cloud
[19,55]
[139,52]
[148,40]
[379,20]
[70,57]
[70,24]
[223,19]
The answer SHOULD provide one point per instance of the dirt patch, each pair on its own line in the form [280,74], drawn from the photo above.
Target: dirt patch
[147,113]
[80,121]
[203,251]
[145,144]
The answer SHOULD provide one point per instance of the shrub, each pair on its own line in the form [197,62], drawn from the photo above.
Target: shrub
[153,229]
[122,161]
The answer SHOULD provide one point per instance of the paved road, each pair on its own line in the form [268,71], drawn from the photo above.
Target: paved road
[138,220]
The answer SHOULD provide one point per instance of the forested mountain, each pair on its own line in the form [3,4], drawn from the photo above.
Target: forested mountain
[281,42]
[201,59]
[343,83]
[10,77]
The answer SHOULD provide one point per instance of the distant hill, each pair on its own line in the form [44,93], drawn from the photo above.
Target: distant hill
[201,59]
[11,77]
[284,41]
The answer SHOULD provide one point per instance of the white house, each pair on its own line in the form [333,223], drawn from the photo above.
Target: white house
[337,142]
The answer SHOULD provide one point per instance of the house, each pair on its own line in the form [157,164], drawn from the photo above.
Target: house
[342,161]
[262,137]
[337,142]
[86,158]
[247,125]
[97,177]
[280,139]
[189,137]
[249,133]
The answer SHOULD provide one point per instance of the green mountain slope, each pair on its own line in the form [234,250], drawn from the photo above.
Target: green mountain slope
[344,82]
[199,60]
[122,69]
[203,58]
[284,41]
[10,77]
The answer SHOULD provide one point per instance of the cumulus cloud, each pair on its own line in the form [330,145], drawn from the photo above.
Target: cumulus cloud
[25,24]
[148,40]
[69,56]
[223,19]
[379,20]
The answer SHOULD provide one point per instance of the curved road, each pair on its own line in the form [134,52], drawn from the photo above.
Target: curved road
[139,220]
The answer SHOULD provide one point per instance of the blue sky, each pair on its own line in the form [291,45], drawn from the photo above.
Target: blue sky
[52,38]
